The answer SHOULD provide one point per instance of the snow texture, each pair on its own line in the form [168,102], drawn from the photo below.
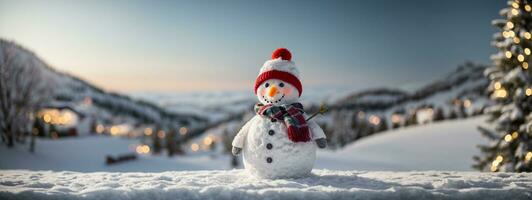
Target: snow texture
[236,184]
[269,153]
[448,145]
[87,154]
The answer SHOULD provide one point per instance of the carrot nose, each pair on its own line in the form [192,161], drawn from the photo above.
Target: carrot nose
[273,91]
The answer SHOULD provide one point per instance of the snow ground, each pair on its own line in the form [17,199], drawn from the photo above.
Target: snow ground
[87,154]
[448,145]
[236,184]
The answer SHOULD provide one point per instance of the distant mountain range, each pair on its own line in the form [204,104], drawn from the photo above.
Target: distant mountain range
[467,81]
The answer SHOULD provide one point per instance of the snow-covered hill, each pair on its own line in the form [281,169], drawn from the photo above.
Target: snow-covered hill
[467,81]
[236,184]
[447,145]
[68,91]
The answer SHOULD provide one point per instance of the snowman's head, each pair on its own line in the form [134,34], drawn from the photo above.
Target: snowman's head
[277,92]
[278,80]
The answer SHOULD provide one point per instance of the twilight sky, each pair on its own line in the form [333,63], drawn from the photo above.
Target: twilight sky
[209,45]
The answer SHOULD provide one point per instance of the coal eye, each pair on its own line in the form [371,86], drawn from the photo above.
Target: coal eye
[281,84]
[267,85]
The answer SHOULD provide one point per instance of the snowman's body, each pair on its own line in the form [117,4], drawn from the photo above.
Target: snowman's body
[279,142]
[268,153]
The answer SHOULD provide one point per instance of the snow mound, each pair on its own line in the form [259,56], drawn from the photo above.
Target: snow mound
[446,145]
[236,184]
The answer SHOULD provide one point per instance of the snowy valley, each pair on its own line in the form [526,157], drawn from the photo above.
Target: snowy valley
[156,134]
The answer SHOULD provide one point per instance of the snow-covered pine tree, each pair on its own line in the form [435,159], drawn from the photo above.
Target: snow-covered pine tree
[511,89]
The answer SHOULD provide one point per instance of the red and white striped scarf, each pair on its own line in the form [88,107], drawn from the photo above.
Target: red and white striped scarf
[293,117]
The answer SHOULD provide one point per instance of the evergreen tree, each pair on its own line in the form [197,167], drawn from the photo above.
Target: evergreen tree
[39,126]
[452,114]
[156,141]
[438,114]
[411,118]
[511,89]
[171,142]
[462,110]
[34,133]
[382,126]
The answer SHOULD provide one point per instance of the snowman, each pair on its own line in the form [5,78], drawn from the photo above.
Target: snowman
[278,142]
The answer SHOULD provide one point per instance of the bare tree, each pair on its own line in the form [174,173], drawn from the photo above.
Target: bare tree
[22,92]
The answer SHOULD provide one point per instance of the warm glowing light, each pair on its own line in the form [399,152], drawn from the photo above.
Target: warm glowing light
[505,34]
[396,118]
[509,25]
[515,11]
[143,149]
[497,85]
[528,91]
[114,130]
[527,35]
[515,5]
[528,8]
[194,147]
[520,58]
[525,65]
[496,163]
[467,103]
[148,131]
[374,120]
[60,117]
[207,141]
[508,138]
[47,118]
[499,158]
[183,130]
[511,34]
[516,40]
[528,156]
[508,54]
[161,134]
[501,93]
[99,129]
[527,51]
[515,134]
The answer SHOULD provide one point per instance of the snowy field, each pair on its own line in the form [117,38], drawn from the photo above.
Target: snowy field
[87,154]
[236,184]
[75,169]
[448,145]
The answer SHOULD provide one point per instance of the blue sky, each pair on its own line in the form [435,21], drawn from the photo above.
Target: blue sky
[220,45]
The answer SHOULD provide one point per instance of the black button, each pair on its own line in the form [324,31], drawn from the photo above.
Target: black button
[269,160]
[274,120]
[269,146]
[271,132]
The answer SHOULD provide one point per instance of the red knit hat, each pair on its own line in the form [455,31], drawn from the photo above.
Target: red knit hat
[280,67]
